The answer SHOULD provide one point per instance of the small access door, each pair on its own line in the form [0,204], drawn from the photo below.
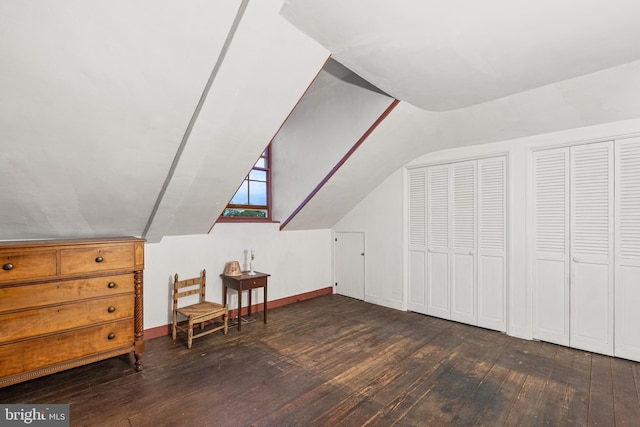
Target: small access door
[349,264]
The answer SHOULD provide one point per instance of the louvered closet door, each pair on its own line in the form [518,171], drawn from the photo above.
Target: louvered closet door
[491,247]
[417,300]
[551,245]
[463,257]
[438,249]
[592,269]
[627,254]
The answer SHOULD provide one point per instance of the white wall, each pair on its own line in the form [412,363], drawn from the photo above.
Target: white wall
[381,217]
[298,261]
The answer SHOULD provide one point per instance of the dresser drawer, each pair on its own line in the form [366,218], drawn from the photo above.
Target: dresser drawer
[14,298]
[26,265]
[29,323]
[50,350]
[95,259]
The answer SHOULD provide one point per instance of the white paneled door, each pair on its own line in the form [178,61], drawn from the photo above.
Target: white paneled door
[349,264]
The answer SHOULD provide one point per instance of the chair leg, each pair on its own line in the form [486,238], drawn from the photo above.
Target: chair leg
[226,326]
[190,339]
[175,321]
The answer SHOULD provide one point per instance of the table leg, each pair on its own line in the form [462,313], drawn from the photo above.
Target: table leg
[224,297]
[239,308]
[249,310]
[265,303]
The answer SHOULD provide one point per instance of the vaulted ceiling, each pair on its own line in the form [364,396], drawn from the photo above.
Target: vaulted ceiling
[143,117]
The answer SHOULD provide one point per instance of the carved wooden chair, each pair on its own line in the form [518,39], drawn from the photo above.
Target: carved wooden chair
[201,312]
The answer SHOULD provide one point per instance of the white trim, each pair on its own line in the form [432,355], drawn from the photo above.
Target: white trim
[459,159]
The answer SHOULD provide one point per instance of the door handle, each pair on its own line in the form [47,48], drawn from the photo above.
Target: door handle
[576,259]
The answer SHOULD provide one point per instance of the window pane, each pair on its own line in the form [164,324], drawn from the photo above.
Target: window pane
[258,191]
[258,175]
[261,163]
[245,213]
[242,195]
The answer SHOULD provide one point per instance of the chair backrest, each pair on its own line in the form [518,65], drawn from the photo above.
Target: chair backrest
[184,288]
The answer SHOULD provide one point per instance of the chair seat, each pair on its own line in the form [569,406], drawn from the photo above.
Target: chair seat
[205,309]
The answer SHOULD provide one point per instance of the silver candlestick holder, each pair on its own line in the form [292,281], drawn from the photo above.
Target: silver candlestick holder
[251,272]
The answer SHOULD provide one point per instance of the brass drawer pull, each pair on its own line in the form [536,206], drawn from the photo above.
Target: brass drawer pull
[99,259]
[111,285]
[111,309]
[111,336]
[8,266]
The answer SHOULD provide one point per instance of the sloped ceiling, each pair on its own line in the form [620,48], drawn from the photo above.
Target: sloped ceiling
[470,73]
[330,119]
[443,55]
[267,69]
[141,118]
[409,132]
[97,98]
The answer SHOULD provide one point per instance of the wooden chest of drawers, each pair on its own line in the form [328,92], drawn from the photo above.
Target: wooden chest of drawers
[66,303]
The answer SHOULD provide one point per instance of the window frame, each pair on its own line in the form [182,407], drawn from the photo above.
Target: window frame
[246,179]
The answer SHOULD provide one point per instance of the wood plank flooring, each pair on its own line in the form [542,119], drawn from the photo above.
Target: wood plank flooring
[335,361]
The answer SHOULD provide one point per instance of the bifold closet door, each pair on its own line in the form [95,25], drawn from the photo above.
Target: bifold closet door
[457,241]
[492,244]
[592,268]
[417,300]
[627,254]
[551,245]
[573,246]
[463,257]
[438,244]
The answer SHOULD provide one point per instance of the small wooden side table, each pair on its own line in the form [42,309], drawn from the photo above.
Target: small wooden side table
[245,282]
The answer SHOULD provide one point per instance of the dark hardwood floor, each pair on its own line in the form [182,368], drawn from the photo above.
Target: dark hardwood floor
[337,361]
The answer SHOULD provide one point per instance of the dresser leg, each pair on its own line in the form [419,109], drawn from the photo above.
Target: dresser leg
[138,350]
[138,362]
[138,319]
